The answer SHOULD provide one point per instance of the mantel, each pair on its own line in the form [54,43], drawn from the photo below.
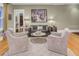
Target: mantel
[39,23]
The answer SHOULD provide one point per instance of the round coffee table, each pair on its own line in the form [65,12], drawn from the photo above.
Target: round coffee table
[38,33]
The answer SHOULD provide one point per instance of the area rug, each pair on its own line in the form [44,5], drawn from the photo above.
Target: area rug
[38,40]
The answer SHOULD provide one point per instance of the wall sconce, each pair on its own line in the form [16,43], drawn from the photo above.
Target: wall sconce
[27,21]
[27,17]
[51,22]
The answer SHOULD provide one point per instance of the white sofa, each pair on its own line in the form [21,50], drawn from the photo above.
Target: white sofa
[57,42]
[17,42]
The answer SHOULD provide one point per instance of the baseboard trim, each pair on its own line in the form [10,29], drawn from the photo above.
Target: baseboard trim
[70,30]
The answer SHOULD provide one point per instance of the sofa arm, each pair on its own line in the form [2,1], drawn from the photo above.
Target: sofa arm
[56,34]
[53,37]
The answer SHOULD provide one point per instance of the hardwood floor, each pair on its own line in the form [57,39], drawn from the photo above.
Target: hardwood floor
[3,46]
[73,43]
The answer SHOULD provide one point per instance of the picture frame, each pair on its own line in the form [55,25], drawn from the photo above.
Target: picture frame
[10,17]
[39,15]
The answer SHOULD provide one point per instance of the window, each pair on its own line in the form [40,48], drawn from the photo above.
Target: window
[1,19]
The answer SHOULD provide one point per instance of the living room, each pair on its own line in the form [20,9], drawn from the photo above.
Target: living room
[34,27]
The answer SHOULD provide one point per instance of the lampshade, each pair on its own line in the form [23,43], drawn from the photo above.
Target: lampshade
[51,22]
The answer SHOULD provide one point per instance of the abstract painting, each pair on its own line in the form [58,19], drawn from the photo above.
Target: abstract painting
[39,15]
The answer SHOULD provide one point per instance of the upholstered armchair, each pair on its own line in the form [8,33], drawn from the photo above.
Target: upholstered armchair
[17,42]
[57,42]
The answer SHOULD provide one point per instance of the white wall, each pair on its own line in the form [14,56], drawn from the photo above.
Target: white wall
[11,22]
[62,13]
[1,4]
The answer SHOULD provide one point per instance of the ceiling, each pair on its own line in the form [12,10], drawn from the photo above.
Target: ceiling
[38,3]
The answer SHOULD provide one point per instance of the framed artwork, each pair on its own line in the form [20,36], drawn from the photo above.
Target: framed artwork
[39,15]
[10,17]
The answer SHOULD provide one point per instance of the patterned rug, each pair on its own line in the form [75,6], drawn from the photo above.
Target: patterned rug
[38,40]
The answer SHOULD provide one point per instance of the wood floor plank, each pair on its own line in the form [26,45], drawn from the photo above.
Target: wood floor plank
[3,46]
[73,43]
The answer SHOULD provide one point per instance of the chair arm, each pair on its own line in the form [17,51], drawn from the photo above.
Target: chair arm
[56,34]
[51,37]
[8,34]
[13,36]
